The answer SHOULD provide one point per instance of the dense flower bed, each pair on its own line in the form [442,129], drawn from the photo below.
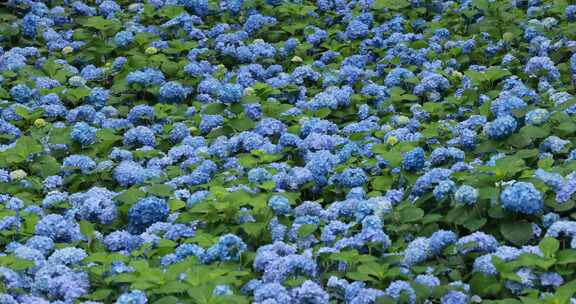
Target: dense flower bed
[268,151]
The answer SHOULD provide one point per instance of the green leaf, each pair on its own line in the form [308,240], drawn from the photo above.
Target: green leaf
[534,132]
[390,4]
[253,229]
[130,196]
[172,287]
[100,294]
[46,166]
[160,190]
[241,124]
[214,108]
[518,140]
[78,93]
[86,228]
[382,183]
[167,300]
[25,146]
[549,246]
[509,166]
[109,26]
[494,73]
[517,232]
[171,11]
[359,276]
[566,256]
[268,185]
[21,264]
[306,229]
[411,214]
[566,127]
[565,292]
[526,300]
[60,136]
[176,204]
[485,285]
[394,158]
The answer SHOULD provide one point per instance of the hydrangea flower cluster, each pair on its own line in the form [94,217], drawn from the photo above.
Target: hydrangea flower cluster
[194,151]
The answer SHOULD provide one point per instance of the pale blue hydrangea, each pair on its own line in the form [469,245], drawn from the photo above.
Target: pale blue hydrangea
[477,242]
[83,133]
[454,297]
[397,288]
[522,197]
[466,195]
[427,280]
[279,204]
[309,292]
[501,127]
[537,117]
[140,136]
[132,297]
[58,228]
[145,212]
[146,77]
[222,290]
[173,92]
[129,173]
[68,256]
[228,248]
[552,180]
[414,160]
[542,66]
[443,190]
[82,162]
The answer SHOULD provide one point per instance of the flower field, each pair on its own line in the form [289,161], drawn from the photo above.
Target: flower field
[288,152]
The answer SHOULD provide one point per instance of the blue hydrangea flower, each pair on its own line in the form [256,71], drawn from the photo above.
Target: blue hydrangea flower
[357,29]
[501,127]
[123,38]
[173,92]
[414,160]
[397,288]
[83,133]
[146,212]
[121,240]
[477,242]
[279,204]
[210,122]
[352,177]
[82,162]
[132,297]
[129,173]
[230,93]
[255,22]
[427,280]
[443,190]
[542,66]
[537,117]
[58,228]
[21,93]
[146,77]
[222,290]
[466,195]
[228,248]
[60,282]
[271,293]
[142,136]
[522,197]
[454,297]
[309,292]
[551,279]
[505,104]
